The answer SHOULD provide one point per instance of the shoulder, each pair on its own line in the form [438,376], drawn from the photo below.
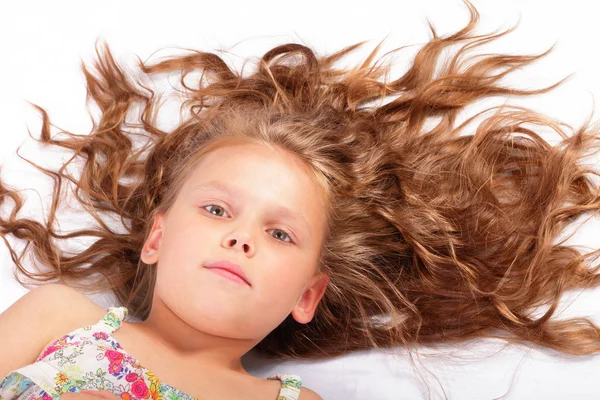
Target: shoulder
[44,313]
[67,308]
[307,394]
[56,294]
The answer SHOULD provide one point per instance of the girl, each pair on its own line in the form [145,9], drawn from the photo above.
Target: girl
[347,225]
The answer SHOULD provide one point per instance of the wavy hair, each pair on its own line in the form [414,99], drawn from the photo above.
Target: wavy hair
[432,236]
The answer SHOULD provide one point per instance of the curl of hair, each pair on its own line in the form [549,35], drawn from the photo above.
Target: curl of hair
[432,236]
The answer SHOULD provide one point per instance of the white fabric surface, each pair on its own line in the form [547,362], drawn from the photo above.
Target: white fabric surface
[42,44]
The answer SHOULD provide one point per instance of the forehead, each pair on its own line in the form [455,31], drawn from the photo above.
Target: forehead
[260,175]
[248,159]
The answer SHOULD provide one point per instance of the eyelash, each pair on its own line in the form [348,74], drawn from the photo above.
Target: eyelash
[281,230]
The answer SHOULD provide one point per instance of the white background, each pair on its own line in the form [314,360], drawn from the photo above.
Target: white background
[42,44]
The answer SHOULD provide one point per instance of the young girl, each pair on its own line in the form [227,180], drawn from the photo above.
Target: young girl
[347,225]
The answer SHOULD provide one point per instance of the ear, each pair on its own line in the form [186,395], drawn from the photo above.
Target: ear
[152,245]
[304,310]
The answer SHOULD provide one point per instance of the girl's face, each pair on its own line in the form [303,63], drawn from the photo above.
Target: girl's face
[252,206]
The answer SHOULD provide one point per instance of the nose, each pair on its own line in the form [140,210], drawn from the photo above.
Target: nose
[241,242]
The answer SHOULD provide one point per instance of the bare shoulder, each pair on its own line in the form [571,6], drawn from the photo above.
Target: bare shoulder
[70,308]
[44,313]
[61,295]
[307,394]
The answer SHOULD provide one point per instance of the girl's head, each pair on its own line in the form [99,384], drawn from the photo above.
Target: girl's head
[256,186]
[252,201]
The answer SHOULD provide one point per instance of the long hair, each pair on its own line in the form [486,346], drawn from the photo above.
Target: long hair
[432,236]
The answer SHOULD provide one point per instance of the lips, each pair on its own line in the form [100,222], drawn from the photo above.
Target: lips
[231,267]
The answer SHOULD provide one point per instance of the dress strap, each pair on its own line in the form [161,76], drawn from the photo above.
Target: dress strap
[113,318]
[290,386]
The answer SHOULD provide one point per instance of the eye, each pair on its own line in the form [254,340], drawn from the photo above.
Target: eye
[216,206]
[284,234]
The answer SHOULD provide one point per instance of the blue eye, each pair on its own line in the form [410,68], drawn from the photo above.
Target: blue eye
[217,206]
[288,236]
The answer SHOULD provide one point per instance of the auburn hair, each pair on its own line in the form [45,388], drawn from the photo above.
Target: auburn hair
[433,236]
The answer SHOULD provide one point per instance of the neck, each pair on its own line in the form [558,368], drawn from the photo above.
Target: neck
[179,341]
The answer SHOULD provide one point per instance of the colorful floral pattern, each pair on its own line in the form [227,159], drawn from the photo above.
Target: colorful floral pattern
[90,358]
[290,386]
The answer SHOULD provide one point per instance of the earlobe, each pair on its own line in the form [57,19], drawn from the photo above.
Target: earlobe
[304,310]
[151,247]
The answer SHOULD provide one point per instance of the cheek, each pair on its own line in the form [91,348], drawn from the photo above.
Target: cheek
[280,292]
[183,245]
[286,271]
[191,229]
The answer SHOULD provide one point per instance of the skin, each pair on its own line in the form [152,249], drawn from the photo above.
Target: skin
[203,320]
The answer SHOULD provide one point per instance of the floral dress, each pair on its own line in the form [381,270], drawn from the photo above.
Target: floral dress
[89,358]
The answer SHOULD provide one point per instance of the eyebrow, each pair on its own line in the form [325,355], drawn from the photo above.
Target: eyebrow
[235,193]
